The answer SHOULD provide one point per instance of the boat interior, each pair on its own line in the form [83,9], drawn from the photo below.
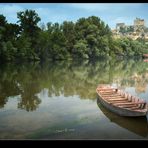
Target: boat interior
[122,99]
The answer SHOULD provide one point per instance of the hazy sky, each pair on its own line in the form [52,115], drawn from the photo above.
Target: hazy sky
[110,13]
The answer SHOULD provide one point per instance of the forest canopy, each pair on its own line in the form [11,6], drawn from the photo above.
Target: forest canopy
[87,38]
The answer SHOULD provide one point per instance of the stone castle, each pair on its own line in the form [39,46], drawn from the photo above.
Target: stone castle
[135,31]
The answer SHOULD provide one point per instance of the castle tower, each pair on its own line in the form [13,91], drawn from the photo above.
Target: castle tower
[139,23]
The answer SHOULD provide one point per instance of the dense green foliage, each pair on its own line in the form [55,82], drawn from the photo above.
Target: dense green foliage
[87,38]
[129,47]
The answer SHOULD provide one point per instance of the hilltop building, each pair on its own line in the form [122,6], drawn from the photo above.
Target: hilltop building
[135,31]
[139,22]
[119,25]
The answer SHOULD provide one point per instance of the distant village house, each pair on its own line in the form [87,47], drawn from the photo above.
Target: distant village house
[135,31]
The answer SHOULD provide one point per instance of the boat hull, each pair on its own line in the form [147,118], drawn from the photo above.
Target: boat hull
[137,125]
[121,111]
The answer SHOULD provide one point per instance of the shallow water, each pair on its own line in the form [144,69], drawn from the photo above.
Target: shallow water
[58,100]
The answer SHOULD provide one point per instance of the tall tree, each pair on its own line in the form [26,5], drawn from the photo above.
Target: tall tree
[28,21]
[3,20]
[96,35]
[3,23]
[70,34]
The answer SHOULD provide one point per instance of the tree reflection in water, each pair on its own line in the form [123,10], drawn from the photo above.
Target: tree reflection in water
[68,78]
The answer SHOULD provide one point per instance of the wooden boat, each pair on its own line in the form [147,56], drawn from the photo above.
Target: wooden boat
[146,60]
[137,125]
[121,103]
[145,55]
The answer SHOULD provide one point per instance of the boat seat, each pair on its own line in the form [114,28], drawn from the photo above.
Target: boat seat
[119,99]
[132,108]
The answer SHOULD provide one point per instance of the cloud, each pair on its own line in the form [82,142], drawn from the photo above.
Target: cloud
[101,7]
[50,15]
[46,14]
[110,13]
[89,7]
[10,11]
[120,19]
[128,20]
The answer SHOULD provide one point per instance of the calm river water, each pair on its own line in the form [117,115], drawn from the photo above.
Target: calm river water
[58,100]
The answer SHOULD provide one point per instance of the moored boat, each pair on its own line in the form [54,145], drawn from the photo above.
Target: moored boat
[146,60]
[137,125]
[145,55]
[121,103]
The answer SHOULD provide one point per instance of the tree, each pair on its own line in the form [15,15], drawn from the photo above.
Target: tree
[68,29]
[43,44]
[12,32]
[3,23]
[122,30]
[57,49]
[128,47]
[7,36]
[28,21]
[81,48]
[3,20]
[8,51]
[87,38]
[95,33]
[23,44]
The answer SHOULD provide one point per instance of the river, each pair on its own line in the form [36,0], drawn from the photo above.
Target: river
[57,100]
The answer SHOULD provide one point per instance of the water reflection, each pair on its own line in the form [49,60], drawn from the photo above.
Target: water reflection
[69,79]
[137,125]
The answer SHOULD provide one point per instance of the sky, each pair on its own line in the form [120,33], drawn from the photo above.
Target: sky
[110,13]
